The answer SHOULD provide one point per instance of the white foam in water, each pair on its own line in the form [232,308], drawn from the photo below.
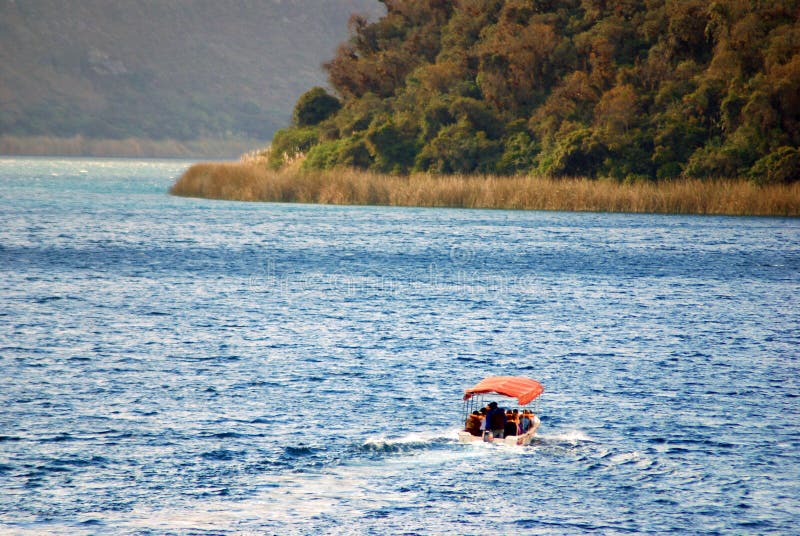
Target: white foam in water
[287,502]
[571,436]
[420,456]
[297,500]
[413,438]
[625,457]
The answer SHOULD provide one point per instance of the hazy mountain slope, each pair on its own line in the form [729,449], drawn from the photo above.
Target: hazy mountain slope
[180,69]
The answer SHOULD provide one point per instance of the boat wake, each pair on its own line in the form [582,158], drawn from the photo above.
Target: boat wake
[412,441]
[569,437]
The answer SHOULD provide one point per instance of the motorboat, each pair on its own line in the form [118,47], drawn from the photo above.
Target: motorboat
[524,390]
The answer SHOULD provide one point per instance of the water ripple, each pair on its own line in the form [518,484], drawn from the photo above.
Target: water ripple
[179,366]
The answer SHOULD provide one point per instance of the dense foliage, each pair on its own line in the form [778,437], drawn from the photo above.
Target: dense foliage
[628,89]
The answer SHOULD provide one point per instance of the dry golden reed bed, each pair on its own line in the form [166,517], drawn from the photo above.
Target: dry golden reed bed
[245,181]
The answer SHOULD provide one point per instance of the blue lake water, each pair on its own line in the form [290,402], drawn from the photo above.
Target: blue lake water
[183,366]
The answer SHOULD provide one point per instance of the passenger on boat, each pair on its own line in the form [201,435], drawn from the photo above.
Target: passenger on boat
[473,424]
[510,428]
[484,433]
[496,420]
[526,421]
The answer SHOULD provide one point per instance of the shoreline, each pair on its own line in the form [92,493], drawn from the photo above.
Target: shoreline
[83,147]
[253,181]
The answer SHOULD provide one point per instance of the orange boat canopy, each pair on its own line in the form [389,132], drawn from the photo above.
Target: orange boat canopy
[523,389]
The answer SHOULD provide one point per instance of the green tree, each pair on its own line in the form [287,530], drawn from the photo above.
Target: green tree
[392,147]
[780,166]
[315,106]
[349,152]
[289,142]
[459,149]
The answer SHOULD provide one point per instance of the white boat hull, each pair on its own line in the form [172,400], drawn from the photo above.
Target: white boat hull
[521,440]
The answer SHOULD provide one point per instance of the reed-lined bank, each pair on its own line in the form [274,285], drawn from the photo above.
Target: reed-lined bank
[247,181]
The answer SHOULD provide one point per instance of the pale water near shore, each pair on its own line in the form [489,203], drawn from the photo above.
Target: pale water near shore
[172,365]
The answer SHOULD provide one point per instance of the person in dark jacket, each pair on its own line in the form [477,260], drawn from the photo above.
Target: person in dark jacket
[496,420]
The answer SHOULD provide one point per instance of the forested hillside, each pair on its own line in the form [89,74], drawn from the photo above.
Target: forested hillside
[177,69]
[628,89]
